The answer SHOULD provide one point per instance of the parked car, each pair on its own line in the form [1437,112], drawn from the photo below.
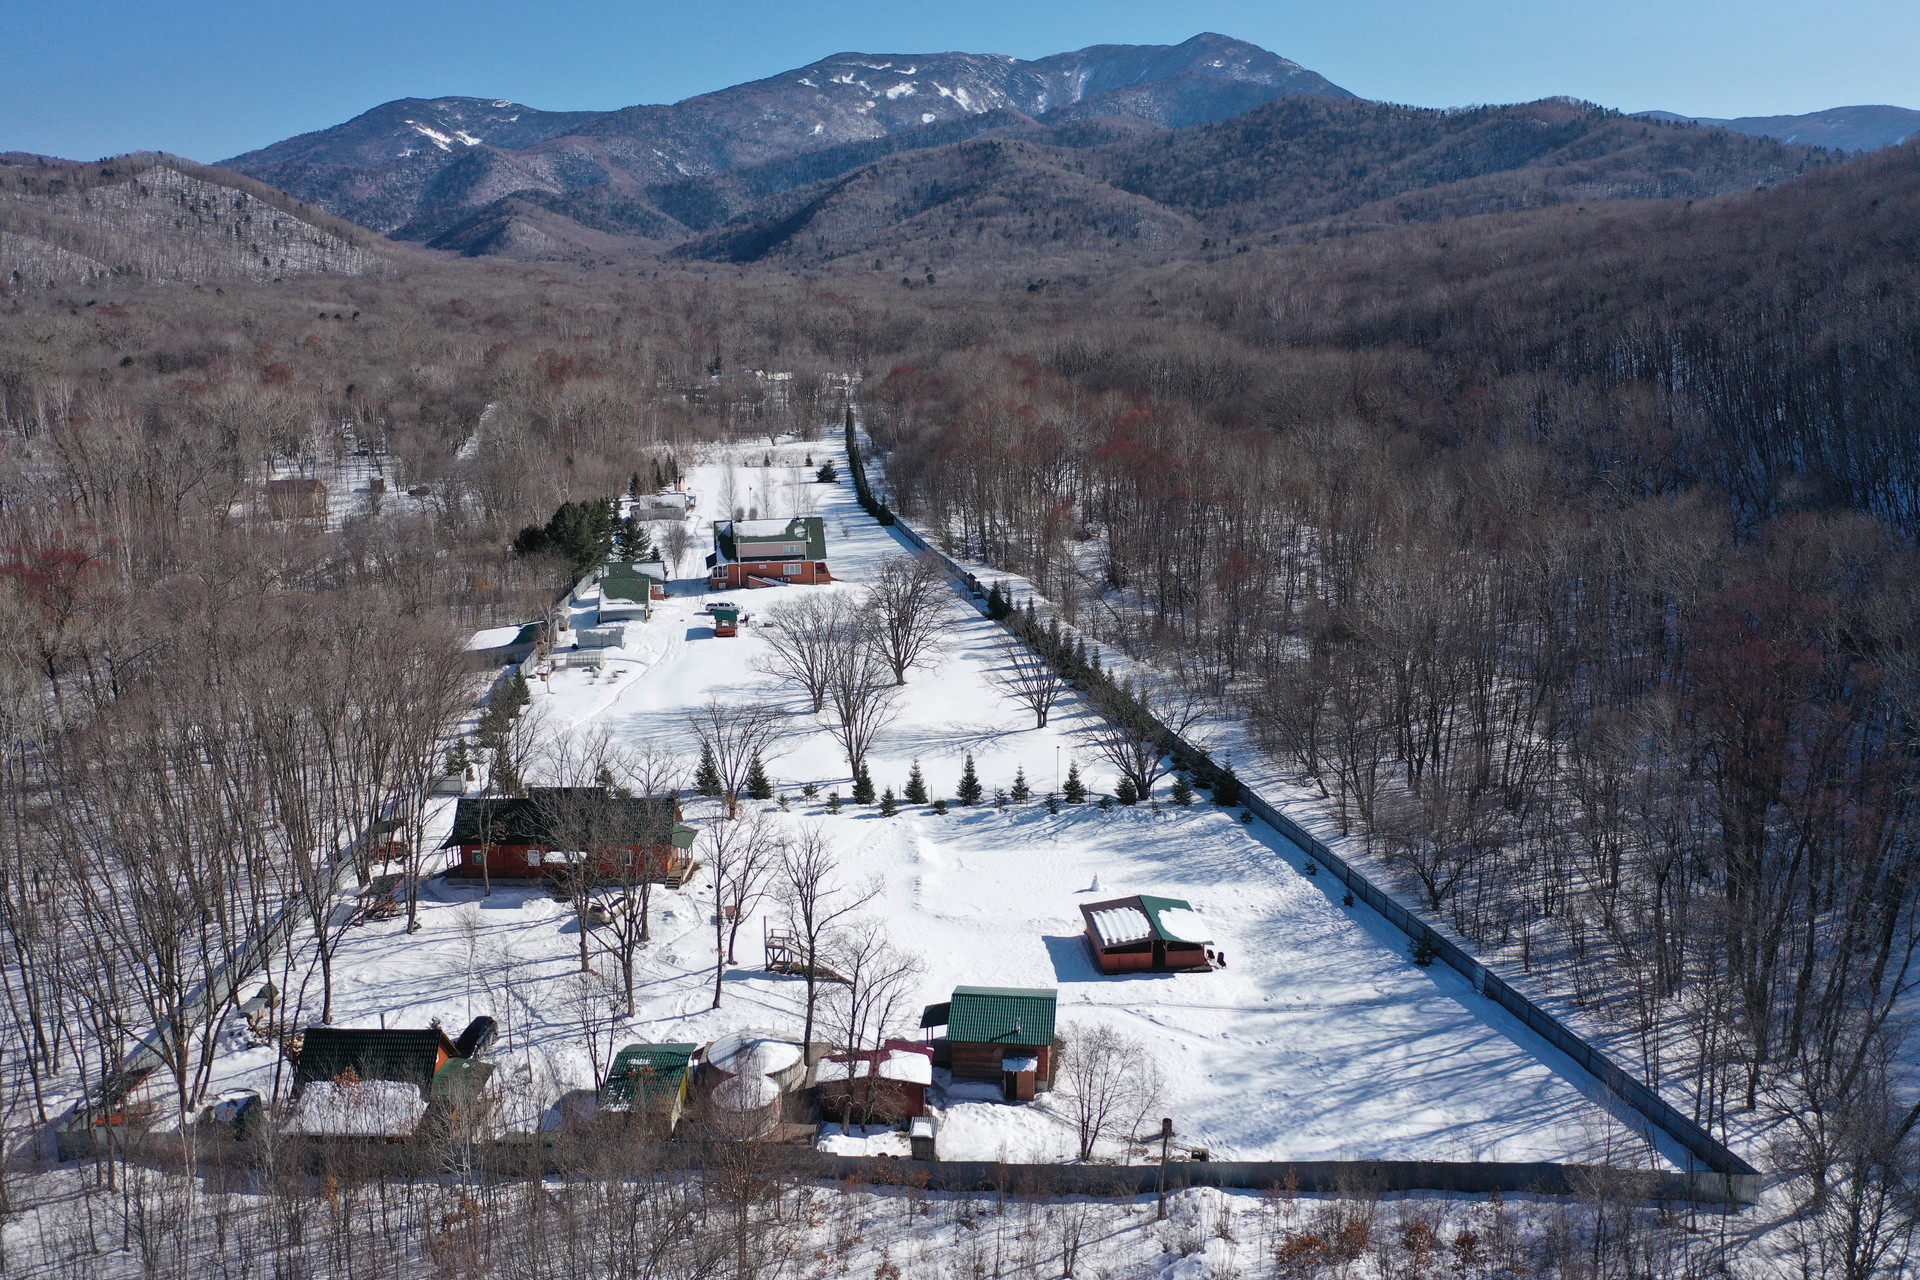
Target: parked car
[609,910]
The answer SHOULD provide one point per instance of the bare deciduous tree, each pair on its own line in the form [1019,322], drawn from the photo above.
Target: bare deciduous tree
[737,733]
[874,998]
[908,608]
[860,699]
[806,635]
[742,858]
[815,905]
[1028,679]
[1108,1083]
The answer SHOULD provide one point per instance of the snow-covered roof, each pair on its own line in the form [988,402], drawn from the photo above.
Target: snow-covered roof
[744,1053]
[1116,925]
[762,528]
[1181,925]
[493,637]
[903,1065]
[746,1093]
[367,1109]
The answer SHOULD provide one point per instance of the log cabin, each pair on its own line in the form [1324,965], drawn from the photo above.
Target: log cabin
[999,1035]
[554,829]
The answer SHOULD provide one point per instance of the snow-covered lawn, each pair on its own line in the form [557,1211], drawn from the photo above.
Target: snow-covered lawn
[1319,1040]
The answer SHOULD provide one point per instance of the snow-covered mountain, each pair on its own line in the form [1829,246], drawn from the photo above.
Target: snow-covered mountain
[1866,128]
[427,157]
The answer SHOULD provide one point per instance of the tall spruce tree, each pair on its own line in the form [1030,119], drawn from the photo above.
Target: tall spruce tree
[758,787]
[706,780]
[969,790]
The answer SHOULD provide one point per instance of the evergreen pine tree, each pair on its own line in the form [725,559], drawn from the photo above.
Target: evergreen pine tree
[1182,790]
[1000,798]
[707,779]
[1074,790]
[1020,789]
[1226,787]
[833,802]
[970,790]
[863,786]
[827,473]
[1126,792]
[1094,662]
[810,790]
[1106,804]
[916,792]
[1053,803]
[940,806]
[888,806]
[633,485]
[758,787]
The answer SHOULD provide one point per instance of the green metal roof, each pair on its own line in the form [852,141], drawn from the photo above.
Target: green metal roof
[657,1071]
[1002,1015]
[1154,906]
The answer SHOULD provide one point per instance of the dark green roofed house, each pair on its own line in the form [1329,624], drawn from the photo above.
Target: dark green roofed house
[529,837]
[998,1034]
[627,586]
[767,553]
[649,1081]
[379,1082]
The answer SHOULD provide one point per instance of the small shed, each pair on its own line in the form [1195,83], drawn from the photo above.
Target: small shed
[367,1082]
[726,620]
[649,1081]
[1145,934]
[296,498]
[1002,1035]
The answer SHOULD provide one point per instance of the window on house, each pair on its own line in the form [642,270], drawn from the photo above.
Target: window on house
[533,857]
[790,570]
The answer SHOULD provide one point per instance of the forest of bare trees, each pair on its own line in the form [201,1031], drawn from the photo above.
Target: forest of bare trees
[1610,671]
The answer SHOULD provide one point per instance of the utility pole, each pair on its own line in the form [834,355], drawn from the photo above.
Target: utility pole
[1166,1139]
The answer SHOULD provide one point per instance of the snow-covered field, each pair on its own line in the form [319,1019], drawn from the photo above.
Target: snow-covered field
[1319,1040]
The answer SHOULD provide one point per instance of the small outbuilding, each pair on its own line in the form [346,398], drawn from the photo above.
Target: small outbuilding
[999,1035]
[1145,934]
[649,1082]
[884,1086]
[379,1082]
[296,498]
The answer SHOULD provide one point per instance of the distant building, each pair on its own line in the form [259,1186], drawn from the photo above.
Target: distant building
[1145,934]
[296,499]
[662,506]
[514,838]
[1002,1035]
[768,553]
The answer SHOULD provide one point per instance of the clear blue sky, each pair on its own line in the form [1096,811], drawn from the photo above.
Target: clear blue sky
[211,78]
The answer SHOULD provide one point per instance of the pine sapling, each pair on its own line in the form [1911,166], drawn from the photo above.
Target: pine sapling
[1053,804]
[916,790]
[833,802]
[888,805]
[1021,791]
[1126,792]
[940,806]
[1074,789]
[758,787]
[1182,791]
[863,786]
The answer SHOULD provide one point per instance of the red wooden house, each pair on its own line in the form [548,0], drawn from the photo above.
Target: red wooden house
[768,553]
[554,829]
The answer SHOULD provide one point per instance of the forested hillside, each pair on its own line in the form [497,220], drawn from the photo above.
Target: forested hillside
[1559,552]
